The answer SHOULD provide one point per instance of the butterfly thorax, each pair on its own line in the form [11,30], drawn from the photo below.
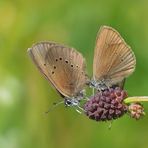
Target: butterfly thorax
[99,85]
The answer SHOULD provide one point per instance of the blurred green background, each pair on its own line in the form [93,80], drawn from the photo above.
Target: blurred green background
[25,95]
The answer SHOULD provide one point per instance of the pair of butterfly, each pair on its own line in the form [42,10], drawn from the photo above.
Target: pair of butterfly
[65,67]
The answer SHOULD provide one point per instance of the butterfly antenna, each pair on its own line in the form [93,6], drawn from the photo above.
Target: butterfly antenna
[55,104]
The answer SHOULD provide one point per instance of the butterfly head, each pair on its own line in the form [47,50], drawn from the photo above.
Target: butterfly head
[93,84]
[69,102]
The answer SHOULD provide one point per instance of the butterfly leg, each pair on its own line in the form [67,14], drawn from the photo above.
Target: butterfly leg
[78,111]
[100,91]
[108,87]
[110,124]
[86,98]
[81,108]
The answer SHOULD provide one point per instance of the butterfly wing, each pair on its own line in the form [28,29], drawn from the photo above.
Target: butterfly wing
[113,58]
[64,67]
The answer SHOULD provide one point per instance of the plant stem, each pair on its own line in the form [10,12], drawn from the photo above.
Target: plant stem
[136,99]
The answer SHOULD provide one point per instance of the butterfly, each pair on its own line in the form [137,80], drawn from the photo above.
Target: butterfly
[113,59]
[63,67]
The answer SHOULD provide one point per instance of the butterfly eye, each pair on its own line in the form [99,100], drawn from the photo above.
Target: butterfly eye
[60,58]
[71,65]
[56,60]
[68,102]
[44,64]
[52,72]
[54,67]
[66,61]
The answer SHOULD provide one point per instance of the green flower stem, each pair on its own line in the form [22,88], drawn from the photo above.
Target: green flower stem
[136,99]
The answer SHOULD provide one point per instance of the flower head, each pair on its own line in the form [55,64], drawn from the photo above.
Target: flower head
[106,105]
[136,110]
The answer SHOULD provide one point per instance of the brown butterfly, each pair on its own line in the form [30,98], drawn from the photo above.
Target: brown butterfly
[64,67]
[113,59]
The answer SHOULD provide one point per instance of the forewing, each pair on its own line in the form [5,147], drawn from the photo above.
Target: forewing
[64,67]
[113,58]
